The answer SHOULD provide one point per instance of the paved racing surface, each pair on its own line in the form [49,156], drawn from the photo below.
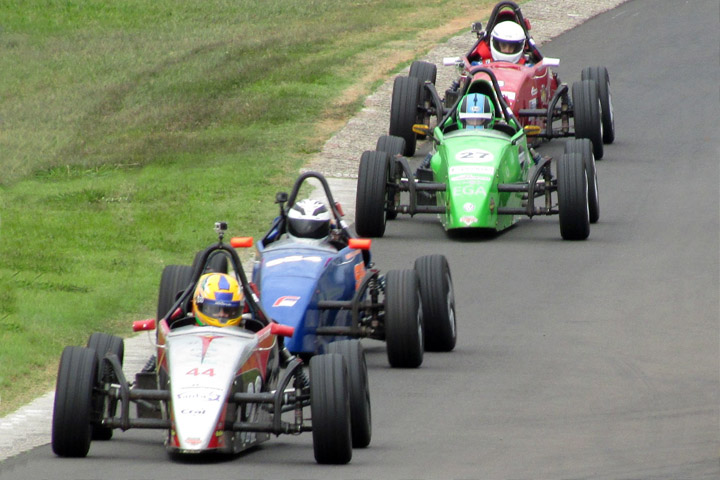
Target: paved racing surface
[595,359]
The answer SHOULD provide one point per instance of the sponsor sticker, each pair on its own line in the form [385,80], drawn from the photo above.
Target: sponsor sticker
[286,301]
[474,155]
[200,396]
[473,178]
[509,96]
[469,190]
[292,259]
[359,272]
[193,411]
[471,169]
[468,220]
[469,207]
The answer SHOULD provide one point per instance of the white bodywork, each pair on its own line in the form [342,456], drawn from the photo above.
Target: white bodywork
[203,363]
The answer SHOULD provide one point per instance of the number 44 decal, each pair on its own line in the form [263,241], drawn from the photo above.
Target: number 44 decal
[196,371]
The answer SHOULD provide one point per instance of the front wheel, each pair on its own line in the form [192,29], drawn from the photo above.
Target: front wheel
[393,146]
[438,302]
[584,148]
[360,412]
[73,407]
[372,194]
[572,191]
[330,409]
[104,344]
[403,319]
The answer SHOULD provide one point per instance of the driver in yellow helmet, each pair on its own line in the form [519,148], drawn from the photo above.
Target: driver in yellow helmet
[218,301]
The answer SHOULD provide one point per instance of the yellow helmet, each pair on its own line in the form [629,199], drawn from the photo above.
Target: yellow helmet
[218,300]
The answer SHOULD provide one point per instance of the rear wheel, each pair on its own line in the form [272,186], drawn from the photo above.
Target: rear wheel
[72,410]
[586,107]
[174,280]
[584,148]
[330,409]
[372,194]
[360,413]
[403,319]
[602,78]
[104,344]
[406,98]
[217,263]
[572,194]
[438,303]
[425,72]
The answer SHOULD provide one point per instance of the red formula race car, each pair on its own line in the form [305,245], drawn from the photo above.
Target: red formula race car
[543,105]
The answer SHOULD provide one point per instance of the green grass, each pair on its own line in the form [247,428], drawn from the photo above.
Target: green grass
[127,128]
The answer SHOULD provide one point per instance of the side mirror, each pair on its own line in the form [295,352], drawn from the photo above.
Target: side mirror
[282,330]
[421,129]
[241,242]
[360,243]
[452,61]
[144,325]
[532,130]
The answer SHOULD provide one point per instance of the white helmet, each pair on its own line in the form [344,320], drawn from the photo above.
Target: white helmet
[308,222]
[507,42]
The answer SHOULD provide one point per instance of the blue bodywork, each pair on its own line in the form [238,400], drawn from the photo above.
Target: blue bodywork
[293,277]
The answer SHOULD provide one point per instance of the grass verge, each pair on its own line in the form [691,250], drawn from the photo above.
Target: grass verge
[133,125]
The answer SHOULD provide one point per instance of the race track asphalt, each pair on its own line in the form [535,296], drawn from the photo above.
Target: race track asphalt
[595,359]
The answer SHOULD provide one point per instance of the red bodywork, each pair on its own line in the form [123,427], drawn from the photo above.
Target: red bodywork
[524,87]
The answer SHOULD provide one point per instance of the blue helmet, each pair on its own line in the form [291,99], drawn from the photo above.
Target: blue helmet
[476,111]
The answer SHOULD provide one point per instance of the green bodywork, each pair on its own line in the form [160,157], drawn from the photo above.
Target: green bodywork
[471,163]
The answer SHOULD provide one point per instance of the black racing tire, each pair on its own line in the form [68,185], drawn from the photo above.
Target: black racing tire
[584,148]
[406,99]
[601,76]
[372,196]
[360,411]
[330,409]
[572,191]
[425,72]
[217,263]
[586,107]
[174,279]
[390,144]
[393,146]
[73,407]
[403,319]
[103,344]
[438,302]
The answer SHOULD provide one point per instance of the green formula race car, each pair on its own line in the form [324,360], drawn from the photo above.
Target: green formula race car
[479,176]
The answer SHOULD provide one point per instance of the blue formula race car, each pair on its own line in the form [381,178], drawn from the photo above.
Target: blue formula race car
[315,275]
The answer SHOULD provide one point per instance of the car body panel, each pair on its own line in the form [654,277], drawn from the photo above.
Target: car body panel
[471,163]
[293,277]
[206,365]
